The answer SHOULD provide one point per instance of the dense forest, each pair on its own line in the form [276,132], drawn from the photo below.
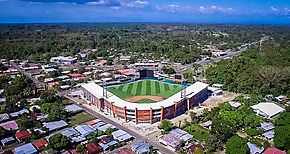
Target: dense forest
[260,70]
[179,42]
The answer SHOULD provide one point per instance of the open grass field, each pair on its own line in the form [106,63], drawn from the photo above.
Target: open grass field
[80,118]
[145,88]
[198,132]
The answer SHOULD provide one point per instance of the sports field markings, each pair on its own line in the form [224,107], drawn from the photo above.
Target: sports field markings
[125,87]
[162,88]
[152,85]
[134,88]
[144,87]
[139,88]
[157,87]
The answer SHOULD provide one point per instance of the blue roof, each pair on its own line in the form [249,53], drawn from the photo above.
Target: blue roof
[105,146]
[7,140]
[73,108]
[105,127]
[254,148]
[25,149]
[266,126]
[269,134]
[70,132]
[138,144]
[55,125]
[84,129]
[98,125]
[143,148]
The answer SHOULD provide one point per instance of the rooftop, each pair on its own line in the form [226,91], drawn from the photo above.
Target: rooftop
[268,108]
[25,149]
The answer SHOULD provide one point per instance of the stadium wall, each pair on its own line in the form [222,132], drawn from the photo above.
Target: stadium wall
[146,116]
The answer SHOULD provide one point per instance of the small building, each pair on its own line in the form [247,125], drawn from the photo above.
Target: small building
[254,149]
[73,108]
[22,135]
[93,148]
[269,135]
[39,144]
[235,104]
[267,126]
[48,80]
[170,140]
[53,84]
[105,127]
[84,130]
[2,100]
[281,98]
[93,122]
[75,75]
[267,109]
[70,132]
[25,149]
[64,87]
[273,151]
[19,113]
[207,124]
[10,125]
[6,141]
[121,135]
[55,125]
[4,117]
[190,148]
[141,147]
[126,151]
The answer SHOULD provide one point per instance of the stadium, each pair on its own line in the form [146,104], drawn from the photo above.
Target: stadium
[145,101]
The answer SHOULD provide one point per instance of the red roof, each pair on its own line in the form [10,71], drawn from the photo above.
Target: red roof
[273,151]
[94,148]
[126,151]
[21,135]
[127,72]
[75,75]
[10,125]
[40,144]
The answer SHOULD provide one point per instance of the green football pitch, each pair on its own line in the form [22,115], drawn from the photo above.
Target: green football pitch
[145,87]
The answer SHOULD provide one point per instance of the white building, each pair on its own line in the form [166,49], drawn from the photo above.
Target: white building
[267,109]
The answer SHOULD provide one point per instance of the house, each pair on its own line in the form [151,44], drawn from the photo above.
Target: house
[93,122]
[22,135]
[121,135]
[4,117]
[207,124]
[39,144]
[75,75]
[93,148]
[254,149]
[103,62]
[269,135]
[19,113]
[51,126]
[141,147]
[273,151]
[6,141]
[170,140]
[267,109]
[2,100]
[235,104]
[126,151]
[25,149]
[53,84]
[84,130]
[281,98]
[267,126]
[70,132]
[98,125]
[182,135]
[73,108]
[64,87]
[10,125]
[105,127]
[48,80]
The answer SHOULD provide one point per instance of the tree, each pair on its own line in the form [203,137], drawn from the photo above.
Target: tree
[59,142]
[166,125]
[109,131]
[237,145]
[282,137]
[48,96]
[80,148]
[168,70]
[54,111]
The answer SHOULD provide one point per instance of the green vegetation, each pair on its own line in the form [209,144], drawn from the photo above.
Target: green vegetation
[80,118]
[168,70]
[265,71]
[253,132]
[145,87]
[59,142]
[282,131]
[199,133]
[166,125]
[237,145]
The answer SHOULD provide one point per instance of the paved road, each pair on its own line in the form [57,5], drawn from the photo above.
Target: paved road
[35,81]
[136,135]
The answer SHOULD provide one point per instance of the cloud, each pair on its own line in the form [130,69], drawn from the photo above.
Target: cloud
[214,9]
[274,9]
[112,3]
[135,4]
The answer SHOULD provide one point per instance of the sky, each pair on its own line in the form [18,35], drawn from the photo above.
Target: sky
[188,11]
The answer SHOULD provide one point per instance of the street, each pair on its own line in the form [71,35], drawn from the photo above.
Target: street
[136,135]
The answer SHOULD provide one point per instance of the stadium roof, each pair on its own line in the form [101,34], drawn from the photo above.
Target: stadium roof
[191,90]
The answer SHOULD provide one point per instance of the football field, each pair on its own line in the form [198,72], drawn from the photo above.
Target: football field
[145,88]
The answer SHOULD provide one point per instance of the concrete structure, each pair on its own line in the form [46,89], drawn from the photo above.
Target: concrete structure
[169,108]
[267,109]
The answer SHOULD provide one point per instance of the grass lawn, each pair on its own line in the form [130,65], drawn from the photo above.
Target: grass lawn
[198,132]
[80,118]
[145,87]
[144,101]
